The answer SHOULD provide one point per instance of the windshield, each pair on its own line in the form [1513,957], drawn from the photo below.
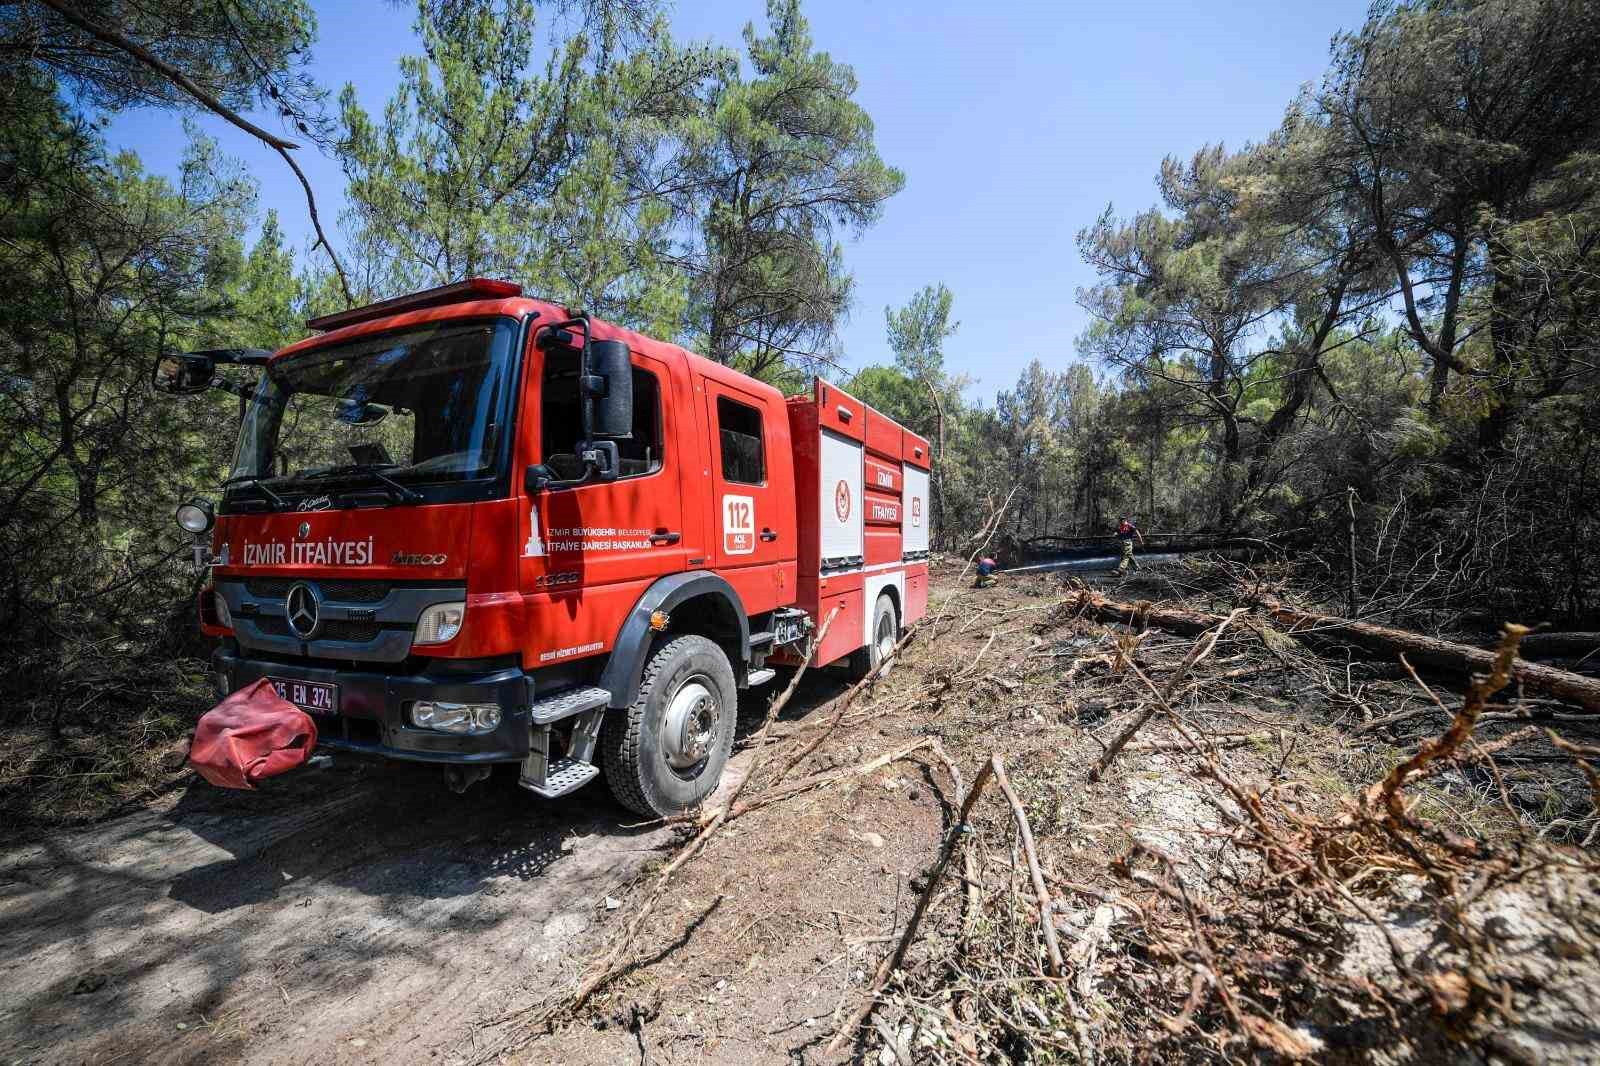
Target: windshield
[429,404]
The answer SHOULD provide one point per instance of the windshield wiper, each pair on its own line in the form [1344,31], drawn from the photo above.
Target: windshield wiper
[255,481]
[406,494]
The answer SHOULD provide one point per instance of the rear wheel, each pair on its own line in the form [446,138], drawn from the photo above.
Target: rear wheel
[885,635]
[665,754]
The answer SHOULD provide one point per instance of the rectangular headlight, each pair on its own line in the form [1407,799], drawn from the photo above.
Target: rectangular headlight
[223,617]
[446,717]
[440,623]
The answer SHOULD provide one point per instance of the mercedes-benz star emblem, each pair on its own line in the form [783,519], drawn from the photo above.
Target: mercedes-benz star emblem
[304,610]
[305,530]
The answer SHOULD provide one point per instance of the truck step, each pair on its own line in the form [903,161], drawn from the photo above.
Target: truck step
[760,677]
[566,704]
[566,775]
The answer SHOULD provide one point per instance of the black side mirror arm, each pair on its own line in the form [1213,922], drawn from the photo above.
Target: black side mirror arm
[600,461]
[537,478]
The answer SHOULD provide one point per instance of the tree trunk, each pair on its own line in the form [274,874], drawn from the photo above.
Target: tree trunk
[1555,645]
[1382,641]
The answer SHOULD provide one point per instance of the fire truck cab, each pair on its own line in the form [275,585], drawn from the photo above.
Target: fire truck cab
[469,527]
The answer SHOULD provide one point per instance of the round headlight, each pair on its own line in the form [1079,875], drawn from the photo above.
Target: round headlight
[195,516]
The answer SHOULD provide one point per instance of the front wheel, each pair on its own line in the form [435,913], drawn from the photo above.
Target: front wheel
[665,754]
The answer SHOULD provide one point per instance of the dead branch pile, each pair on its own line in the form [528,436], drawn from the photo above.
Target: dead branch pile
[1245,908]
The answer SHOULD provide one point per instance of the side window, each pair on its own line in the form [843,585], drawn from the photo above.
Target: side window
[744,461]
[561,423]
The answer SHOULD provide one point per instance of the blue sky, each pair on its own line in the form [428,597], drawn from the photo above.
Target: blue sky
[1014,122]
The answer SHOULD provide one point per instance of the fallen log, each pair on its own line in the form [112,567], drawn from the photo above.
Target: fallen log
[1559,645]
[1382,642]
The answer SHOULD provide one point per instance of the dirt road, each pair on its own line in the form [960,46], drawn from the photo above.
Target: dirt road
[359,914]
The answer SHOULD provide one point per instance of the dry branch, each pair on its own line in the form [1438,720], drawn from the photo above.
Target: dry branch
[1196,655]
[1387,792]
[845,703]
[1383,641]
[1218,742]
[1042,894]
[892,961]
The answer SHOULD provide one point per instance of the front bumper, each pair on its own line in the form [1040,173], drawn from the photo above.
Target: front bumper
[372,719]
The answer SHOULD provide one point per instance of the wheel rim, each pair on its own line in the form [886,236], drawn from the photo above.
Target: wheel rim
[689,728]
[885,635]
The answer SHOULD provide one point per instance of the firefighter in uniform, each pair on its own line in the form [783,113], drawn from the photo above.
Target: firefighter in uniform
[986,569]
[1126,532]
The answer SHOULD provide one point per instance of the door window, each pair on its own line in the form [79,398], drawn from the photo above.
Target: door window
[561,420]
[744,460]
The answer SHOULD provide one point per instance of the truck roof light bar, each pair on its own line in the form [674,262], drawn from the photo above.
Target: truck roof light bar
[456,292]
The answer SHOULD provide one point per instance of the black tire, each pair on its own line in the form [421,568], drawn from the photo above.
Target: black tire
[885,627]
[657,775]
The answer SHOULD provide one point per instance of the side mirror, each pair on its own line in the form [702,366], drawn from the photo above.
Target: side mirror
[182,373]
[610,383]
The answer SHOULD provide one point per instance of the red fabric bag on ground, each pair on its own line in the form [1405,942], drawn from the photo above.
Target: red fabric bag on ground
[253,734]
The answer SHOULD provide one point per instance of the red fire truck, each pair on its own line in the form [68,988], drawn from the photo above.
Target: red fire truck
[468,527]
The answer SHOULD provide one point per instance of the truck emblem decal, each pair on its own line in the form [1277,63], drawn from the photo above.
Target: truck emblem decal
[916,510]
[410,559]
[304,531]
[841,501]
[535,547]
[303,610]
[315,503]
[738,525]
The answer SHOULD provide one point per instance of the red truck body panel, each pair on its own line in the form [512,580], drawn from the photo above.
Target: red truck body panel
[850,493]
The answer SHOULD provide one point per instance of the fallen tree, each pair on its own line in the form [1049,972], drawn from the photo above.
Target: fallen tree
[1559,645]
[1380,641]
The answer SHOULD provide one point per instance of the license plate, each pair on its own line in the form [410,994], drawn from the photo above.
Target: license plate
[314,697]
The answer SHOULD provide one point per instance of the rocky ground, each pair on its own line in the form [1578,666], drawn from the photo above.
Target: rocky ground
[1232,884]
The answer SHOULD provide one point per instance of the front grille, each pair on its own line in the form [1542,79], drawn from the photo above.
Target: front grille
[354,591]
[358,632]
[333,629]
[276,588]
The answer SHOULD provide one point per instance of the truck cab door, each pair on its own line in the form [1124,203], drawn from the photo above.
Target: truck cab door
[753,524]
[582,540]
